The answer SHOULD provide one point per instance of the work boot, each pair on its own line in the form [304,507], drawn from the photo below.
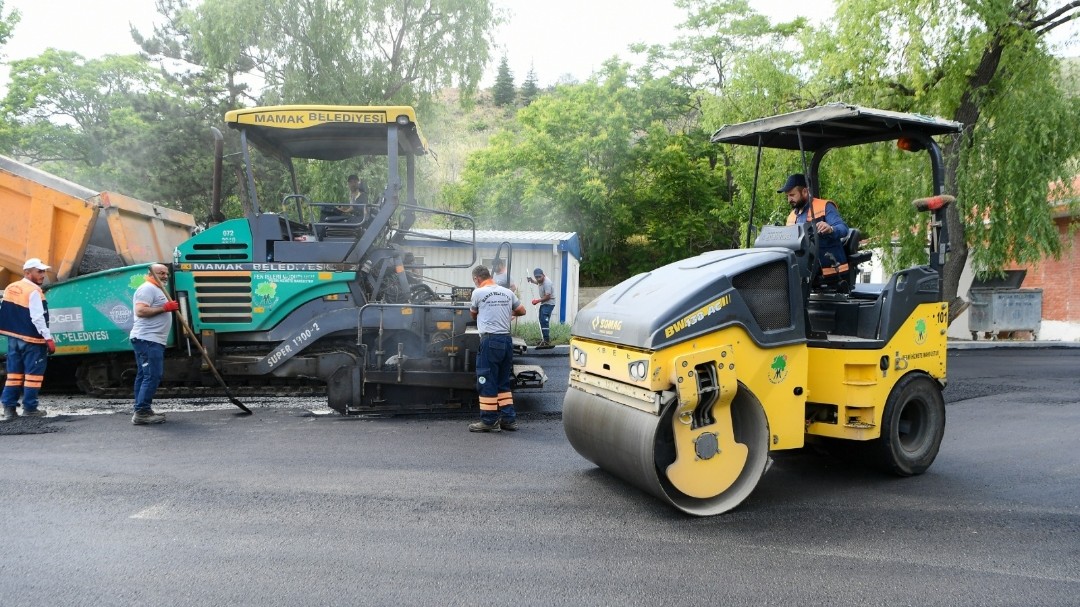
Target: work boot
[480,426]
[9,414]
[145,417]
[509,426]
[34,412]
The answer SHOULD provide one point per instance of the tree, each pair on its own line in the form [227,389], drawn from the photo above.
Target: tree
[684,209]
[110,124]
[986,65]
[8,23]
[68,106]
[7,26]
[353,52]
[529,89]
[599,158]
[733,65]
[504,93]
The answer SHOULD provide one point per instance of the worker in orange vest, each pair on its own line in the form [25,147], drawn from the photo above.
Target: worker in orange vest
[825,217]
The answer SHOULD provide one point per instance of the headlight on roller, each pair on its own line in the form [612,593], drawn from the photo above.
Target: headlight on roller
[639,369]
[578,356]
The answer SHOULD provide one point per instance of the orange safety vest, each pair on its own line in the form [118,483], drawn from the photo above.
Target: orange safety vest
[15,318]
[817,209]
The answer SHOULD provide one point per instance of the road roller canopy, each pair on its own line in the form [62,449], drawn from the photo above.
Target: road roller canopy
[326,132]
[830,126]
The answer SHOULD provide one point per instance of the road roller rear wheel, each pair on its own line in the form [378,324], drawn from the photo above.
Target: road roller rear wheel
[912,425]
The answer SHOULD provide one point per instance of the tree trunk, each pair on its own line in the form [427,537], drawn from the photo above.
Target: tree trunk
[967,113]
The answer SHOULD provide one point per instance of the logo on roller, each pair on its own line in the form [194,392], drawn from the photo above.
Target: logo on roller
[778,369]
[606,326]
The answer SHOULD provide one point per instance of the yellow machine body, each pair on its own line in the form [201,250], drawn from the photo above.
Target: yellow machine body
[685,378]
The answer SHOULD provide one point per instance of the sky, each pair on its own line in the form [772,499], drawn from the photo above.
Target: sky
[555,37]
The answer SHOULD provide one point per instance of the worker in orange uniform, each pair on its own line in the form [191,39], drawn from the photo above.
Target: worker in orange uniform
[24,318]
[826,220]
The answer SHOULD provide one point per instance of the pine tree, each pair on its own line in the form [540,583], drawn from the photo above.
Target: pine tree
[504,91]
[529,90]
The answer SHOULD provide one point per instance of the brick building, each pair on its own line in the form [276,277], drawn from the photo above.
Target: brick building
[1059,279]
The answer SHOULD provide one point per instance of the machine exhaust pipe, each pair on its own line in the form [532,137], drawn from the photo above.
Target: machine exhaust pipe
[215,200]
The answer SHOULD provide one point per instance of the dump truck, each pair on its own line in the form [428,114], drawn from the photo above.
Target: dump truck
[79,231]
[685,379]
[299,296]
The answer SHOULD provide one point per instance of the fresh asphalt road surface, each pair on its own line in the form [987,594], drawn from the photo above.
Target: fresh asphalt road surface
[289,508]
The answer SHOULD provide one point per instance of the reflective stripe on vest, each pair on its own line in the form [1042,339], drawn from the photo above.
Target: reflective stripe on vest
[817,209]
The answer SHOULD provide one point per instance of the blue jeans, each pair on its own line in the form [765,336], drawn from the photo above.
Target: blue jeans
[494,365]
[25,371]
[545,320]
[150,360]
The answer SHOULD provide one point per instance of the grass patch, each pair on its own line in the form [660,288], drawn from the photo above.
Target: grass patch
[530,332]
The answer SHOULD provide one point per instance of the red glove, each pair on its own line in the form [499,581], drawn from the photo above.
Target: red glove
[171,306]
[536,301]
[51,345]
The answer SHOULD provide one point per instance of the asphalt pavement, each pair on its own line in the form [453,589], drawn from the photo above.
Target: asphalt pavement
[291,507]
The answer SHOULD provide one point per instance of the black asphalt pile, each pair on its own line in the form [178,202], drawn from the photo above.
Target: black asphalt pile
[32,425]
[97,259]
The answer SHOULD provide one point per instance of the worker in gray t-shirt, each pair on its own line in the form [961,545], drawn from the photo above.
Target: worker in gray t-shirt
[493,307]
[547,306]
[149,335]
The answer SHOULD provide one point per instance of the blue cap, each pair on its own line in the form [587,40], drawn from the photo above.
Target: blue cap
[538,272]
[798,180]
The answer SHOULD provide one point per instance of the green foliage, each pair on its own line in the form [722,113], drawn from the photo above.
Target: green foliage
[7,23]
[610,159]
[985,65]
[503,94]
[1009,164]
[529,90]
[622,158]
[348,52]
[530,332]
[110,124]
[683,211]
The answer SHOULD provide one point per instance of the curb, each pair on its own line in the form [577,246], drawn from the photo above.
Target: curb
[952,345]
[1010,345]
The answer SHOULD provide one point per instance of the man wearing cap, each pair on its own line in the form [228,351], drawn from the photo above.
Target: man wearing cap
[493,307]
[826,219]
[24,318]
[547,305]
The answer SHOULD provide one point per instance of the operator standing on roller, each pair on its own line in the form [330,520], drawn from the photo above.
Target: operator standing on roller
[493,307]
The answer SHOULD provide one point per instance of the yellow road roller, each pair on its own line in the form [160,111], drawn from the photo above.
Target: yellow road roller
[685,378]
